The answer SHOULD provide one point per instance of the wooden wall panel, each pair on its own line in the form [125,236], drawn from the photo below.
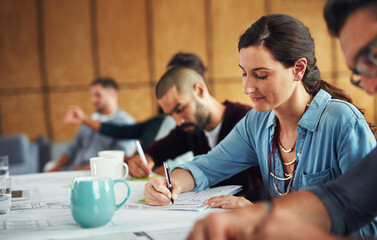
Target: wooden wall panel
[122,40]
[19,62]
[137,102]
[68,42]
[59,106]
[229,19]
[231,91]
[177,26]
[23,114]
[310,12]
[117,38]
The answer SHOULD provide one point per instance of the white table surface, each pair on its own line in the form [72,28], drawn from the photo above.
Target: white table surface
[47,214]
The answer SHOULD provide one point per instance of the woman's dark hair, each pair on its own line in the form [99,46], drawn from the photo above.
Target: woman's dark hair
[288,40]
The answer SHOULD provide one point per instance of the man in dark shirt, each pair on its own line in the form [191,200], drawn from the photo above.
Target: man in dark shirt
[202,122]
[341,206]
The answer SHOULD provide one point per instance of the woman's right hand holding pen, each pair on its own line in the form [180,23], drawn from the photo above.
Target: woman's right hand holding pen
[156,192]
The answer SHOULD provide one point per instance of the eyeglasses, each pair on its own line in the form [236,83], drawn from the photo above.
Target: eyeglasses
[365,64]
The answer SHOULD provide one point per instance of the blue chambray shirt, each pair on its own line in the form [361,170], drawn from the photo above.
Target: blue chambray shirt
[332,137]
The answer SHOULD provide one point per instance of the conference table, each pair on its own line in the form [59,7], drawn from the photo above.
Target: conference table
[47,215]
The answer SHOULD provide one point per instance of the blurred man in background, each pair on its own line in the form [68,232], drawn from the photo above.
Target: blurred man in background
[87,142]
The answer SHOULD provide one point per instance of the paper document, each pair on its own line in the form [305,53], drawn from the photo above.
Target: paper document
[190,201]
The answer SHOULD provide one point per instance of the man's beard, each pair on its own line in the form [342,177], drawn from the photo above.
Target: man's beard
[202,118]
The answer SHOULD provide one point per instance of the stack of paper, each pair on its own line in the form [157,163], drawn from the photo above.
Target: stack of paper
[188,201]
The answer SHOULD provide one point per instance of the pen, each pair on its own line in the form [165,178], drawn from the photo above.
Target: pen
[167,176]
[141,152]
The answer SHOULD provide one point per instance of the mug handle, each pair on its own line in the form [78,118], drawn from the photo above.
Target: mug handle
[128,194]
[125,175]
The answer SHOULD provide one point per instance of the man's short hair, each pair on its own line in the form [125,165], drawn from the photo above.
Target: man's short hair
[182,78]
[106,82]
[337,11]
[188,60]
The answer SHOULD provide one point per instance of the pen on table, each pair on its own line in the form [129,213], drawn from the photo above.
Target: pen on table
[167,176]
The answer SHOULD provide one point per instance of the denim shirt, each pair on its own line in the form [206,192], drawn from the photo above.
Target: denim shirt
[332,137]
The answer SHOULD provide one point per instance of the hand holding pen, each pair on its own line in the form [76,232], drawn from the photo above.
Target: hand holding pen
[167,177]
[138,165]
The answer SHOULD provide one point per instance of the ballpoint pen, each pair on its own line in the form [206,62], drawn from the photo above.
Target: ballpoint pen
[168,182]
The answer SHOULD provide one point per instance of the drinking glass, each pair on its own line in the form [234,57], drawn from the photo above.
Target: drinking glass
[4,167]
[5,195]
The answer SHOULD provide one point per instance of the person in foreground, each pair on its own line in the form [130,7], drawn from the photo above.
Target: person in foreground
[340,206]
[302,131]
[87,143]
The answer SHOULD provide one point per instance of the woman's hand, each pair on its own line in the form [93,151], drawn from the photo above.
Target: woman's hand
[157,194]
[228,202]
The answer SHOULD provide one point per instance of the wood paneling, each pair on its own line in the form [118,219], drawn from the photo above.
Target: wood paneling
[122,40]
[23,114]
[60,103]
[232,91]
[68,42]
[137,102]
[229,19]
[73,41]
[177,26]
[19,61]
[310,12]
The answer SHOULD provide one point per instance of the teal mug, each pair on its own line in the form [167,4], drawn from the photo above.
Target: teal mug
[93,201]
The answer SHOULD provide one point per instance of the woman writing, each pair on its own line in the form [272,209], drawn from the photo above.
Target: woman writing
[302,131]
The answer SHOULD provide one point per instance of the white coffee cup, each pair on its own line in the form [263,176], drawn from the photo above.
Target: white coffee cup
[111,167]
[112,153]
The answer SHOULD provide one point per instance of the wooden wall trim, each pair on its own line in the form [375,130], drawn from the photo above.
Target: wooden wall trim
[267,6]
[151,50]
[209,42]
[150,41]
[94,37]
[43,68]
[334,61]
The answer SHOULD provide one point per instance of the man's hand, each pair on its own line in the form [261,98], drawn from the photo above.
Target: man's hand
[138,168]
[236,224]
[74,115]
[256,222]
[284,225]
[54,169]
